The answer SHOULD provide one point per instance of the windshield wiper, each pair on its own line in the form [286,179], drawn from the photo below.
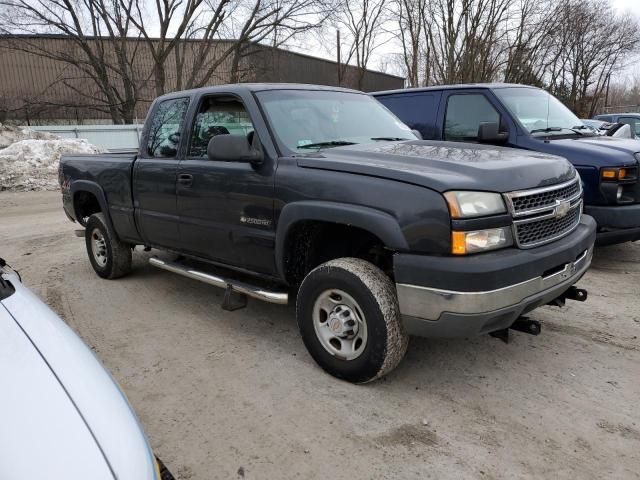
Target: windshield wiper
[331,143]
[556,129]
[389,139]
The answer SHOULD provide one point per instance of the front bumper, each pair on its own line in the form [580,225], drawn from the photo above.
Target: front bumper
[483,302]
[616,223]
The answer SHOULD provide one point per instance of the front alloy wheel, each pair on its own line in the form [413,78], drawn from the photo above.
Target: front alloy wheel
[340,324]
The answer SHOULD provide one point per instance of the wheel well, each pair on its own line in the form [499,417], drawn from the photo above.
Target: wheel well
[311,243]
[85,204]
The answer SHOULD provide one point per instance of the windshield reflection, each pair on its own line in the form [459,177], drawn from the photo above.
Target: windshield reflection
[540,113]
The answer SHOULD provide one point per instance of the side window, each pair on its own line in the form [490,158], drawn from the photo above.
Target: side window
[218,116]
[166,125]
[417,111]
[464,115]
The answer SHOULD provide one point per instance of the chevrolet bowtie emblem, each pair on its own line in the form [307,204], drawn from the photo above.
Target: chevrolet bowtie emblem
[562,208]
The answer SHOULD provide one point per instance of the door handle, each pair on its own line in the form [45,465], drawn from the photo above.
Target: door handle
[185,179]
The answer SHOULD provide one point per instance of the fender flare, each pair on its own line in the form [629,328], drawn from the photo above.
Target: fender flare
[376,222]
[96,190]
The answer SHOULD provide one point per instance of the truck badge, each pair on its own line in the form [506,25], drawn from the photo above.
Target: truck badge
[255,221]
[562,208]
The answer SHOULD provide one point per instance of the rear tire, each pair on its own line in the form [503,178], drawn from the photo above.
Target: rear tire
[109,257]
[348,315]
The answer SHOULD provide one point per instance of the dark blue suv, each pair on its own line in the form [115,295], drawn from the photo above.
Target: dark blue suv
[530,118]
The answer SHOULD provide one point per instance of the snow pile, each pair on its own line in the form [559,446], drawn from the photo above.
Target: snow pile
[10,135]
[31,161]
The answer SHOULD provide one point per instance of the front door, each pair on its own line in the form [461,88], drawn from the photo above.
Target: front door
[463,114]
[226,207]
[154,175]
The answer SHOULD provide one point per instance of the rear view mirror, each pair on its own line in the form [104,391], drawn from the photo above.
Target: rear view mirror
[489,132]
[233,148]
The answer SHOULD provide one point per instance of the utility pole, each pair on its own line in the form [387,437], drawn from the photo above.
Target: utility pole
[606,97]
[338,59]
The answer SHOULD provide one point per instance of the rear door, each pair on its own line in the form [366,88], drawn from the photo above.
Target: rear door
[226,207]
[154,175]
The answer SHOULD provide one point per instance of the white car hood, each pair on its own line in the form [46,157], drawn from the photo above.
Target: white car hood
[61,414]
[43,434]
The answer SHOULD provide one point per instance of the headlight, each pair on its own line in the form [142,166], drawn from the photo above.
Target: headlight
[463,243]
[474,204]
[618,174]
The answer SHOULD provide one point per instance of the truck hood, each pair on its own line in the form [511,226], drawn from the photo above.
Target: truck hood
[443,166]
[594,151]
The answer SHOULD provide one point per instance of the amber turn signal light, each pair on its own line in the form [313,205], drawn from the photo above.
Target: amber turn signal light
[458,243]
[614,174]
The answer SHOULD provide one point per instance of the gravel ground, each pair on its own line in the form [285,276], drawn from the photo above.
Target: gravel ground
[233,395]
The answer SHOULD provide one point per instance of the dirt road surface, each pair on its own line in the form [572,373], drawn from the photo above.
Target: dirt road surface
[233,395]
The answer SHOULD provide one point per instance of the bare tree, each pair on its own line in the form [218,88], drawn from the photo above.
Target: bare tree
[201,35]
[102,56]
[590,42]
[410,18]
[529,45]
[362,22]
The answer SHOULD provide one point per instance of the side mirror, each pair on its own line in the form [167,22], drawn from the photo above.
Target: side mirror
[489,132]
[233,148]
[417,134]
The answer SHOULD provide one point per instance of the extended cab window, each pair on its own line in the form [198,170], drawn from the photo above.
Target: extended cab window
[166,124]
[464,115]
[218,116]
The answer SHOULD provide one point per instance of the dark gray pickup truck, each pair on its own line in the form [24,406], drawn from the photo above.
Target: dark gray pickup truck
[272,191]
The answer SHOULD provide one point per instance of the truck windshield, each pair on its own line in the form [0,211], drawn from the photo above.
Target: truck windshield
[539,112]
[308,120]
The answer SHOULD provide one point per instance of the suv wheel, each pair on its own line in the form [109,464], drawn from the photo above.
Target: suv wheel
[109,257]
[347,312]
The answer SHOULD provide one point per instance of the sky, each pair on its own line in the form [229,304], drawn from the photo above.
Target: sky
[632,6]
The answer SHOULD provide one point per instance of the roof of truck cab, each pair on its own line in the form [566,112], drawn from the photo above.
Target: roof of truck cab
[485,86]
[253,87]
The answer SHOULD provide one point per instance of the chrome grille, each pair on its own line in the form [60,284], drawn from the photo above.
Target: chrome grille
[545,199]
[543,215]
[532,232]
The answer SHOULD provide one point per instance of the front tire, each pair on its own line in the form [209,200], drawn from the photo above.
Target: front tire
[348,315]
[109,257]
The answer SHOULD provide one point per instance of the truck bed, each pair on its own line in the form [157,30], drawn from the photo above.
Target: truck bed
[108,177]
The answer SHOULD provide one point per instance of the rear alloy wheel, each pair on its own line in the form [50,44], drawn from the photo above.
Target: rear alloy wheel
[347,312]
[109,257]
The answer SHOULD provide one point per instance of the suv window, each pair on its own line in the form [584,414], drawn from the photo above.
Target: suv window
[218,116]
[166,124]
[633,122]
[464,115]
[418,111]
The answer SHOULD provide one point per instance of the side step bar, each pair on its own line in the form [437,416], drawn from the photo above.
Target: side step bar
[239,287]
